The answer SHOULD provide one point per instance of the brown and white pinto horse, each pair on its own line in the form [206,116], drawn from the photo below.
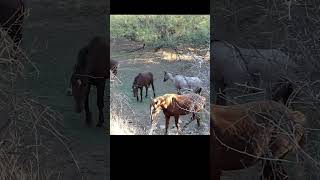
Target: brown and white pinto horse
[176,105]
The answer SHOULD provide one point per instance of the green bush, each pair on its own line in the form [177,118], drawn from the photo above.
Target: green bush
[162,30]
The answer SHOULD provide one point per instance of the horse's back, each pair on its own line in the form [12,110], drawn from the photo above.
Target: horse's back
[147,76]
[192,99]
[98,56]
[234,64]
[143,79]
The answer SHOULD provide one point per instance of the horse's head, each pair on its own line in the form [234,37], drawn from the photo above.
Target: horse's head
[155,108]
[165,77]
[79,90]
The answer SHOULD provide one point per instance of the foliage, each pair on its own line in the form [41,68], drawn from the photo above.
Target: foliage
[162,30]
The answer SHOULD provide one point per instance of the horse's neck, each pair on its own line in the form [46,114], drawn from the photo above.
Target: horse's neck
[171,77]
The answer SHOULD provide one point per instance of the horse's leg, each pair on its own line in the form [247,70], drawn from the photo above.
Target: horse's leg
[198,119]
[86,106]
[167,124]
[154,95]
[146,91]
[141,89]
[100,101]
[176,118]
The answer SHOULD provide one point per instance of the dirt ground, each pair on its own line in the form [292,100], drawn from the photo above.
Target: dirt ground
[53,34]
[137,117]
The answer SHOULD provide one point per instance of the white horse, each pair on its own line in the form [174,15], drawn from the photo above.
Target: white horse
[184,82]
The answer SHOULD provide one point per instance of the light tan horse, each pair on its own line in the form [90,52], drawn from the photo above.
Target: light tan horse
[243,134]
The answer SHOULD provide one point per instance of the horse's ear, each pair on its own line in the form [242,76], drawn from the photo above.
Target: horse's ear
[79,82]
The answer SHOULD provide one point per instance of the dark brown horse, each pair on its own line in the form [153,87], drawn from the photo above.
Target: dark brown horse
[91,69]
[241,135]
[144,79]
[12,17]
[176,105]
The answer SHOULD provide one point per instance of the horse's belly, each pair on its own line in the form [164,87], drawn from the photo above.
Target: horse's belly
[175,113]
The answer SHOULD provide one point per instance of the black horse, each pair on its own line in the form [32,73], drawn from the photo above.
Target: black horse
[91,69]
[12,17]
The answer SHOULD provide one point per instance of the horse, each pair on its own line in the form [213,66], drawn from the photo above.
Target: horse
[176,105]
[243,134]
[113,69]
[91,69]
[258,68]
[183,82]
[12,17]
[144,79]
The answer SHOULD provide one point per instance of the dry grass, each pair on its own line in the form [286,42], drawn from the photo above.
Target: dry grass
[27,126]
[121,112]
